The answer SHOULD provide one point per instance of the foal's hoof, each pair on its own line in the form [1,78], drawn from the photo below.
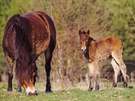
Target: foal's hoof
[97,87]
[125,84]
[114,85]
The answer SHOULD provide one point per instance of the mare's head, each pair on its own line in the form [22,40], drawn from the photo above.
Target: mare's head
[84,38]
[26,74]
[26,69]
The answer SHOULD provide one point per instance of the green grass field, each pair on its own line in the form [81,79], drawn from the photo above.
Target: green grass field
[109,94]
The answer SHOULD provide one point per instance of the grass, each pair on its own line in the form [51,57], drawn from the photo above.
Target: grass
[109,94]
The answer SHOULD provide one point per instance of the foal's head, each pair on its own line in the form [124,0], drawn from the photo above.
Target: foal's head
[84,37]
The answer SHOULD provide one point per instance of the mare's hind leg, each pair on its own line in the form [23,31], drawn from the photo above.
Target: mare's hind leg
[9,72]
[48,57]
[116,71]
[122,66]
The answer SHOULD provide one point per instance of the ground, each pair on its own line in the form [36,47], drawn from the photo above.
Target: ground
[107,93]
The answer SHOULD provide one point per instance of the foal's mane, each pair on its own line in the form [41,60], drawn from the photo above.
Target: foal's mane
[20,27]
[90,39]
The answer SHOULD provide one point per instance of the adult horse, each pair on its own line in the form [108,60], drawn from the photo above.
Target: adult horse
[25,38]
[97,50]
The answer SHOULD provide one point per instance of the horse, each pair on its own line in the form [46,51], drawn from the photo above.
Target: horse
[25,38]
[98,50]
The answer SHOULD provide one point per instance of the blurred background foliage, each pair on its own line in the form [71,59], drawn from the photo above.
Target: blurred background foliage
[101,17]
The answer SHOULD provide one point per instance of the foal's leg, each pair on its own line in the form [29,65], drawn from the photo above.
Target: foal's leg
[48,57]
[91,83]
[116,71]
[9,72]
[96,75]
[122,66]
[97,81]
[91,72]
[124,71]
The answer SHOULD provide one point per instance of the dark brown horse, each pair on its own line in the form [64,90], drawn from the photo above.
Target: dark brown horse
[97,50]
[25,38]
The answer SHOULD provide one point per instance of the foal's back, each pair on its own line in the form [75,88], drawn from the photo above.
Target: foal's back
[102,49]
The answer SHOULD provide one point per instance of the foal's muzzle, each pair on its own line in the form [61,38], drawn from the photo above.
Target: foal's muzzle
[83,49]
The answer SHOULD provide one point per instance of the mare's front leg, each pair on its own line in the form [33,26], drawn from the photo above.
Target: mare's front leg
[19,88]
[48,57]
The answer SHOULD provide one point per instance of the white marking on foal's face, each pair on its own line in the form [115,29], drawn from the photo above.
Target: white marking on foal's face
[83,39]
[83,48]
[83,45]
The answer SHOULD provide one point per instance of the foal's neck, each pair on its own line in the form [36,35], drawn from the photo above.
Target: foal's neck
[86,54]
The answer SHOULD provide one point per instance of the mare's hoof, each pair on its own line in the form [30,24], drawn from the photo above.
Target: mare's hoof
[9,89]
[97,87]
[114,85]
[48,91]
[125,84]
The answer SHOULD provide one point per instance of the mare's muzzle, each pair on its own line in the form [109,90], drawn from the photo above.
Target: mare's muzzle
[35,93]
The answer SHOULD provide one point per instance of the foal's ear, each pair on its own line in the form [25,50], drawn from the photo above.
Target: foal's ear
[88,32]
[80,32]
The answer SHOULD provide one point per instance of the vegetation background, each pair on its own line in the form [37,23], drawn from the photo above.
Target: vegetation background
[102,17]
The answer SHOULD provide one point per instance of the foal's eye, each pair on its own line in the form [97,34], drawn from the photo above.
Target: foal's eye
[86,40]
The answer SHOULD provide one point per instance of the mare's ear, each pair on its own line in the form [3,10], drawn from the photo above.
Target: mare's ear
[80,32]
[88,32]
